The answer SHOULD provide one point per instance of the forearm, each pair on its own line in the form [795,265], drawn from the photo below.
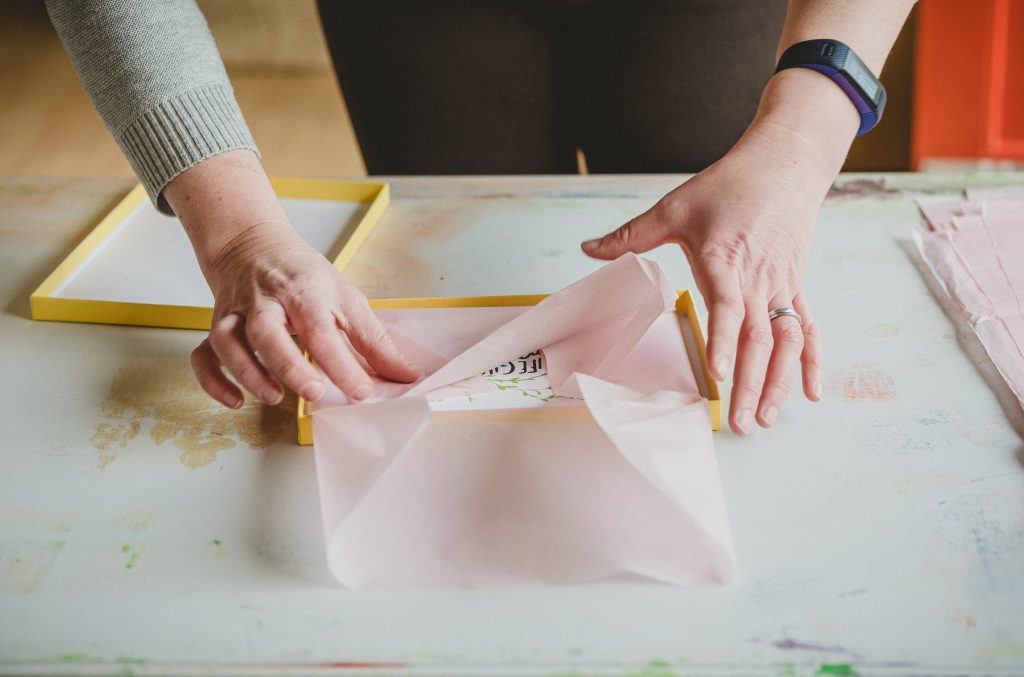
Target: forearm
[155,77]
[804,110]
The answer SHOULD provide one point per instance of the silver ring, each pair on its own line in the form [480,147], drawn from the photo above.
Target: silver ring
[787,312]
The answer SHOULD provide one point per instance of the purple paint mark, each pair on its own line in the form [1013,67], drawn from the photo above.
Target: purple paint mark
[793,645]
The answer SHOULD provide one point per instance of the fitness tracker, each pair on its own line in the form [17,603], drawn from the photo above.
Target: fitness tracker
[845,68]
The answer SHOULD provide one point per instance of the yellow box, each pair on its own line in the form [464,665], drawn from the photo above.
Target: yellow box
[689,323]
[47,306]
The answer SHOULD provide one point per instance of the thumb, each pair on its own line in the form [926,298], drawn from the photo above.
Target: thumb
[640,234]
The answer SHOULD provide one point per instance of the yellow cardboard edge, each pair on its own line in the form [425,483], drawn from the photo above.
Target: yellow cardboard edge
[45,306]
[684,305]
[104,229]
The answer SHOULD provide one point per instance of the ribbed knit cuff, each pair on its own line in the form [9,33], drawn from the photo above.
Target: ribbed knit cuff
[180,132]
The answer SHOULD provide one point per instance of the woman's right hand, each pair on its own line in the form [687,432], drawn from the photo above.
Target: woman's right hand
[269,284]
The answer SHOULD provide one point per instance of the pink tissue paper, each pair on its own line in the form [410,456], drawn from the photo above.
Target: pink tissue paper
[561,443]
[975,248]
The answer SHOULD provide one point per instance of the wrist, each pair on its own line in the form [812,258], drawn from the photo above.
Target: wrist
[223,200]
[809,116]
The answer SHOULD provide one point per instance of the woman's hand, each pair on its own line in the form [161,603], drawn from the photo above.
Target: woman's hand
[745,226]
[269,284]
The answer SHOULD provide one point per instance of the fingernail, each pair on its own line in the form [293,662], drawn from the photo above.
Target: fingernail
[362,392]
[816,389]
[271,397]
[743,421]
[769,414]
[590,244]
[313,391]
[235,401]
[722,366]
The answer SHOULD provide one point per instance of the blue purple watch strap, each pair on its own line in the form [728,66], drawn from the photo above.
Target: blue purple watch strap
[841,65]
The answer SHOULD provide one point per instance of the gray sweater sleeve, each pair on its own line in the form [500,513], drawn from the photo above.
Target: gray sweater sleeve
[154,74]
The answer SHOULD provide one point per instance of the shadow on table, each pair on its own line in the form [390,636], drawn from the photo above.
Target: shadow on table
[284,529]
[972,346]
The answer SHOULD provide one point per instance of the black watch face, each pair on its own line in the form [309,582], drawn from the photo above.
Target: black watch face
[859,73]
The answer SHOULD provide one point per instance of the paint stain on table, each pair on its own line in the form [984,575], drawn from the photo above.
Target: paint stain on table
[881,330]
[25,564]
[132,554]
[862,383]
[843,190]
[161,398]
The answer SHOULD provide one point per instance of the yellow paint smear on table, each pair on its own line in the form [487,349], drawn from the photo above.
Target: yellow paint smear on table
[161,398]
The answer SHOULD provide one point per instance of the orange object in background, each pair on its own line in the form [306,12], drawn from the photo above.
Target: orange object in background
[969,80]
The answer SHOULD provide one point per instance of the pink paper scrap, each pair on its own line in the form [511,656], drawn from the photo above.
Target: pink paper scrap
[975,248]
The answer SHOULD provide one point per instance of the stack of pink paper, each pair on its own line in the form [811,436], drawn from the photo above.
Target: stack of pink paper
[560,443]
[975,247]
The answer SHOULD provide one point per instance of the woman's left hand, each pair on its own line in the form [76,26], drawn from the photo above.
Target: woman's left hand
[745,226]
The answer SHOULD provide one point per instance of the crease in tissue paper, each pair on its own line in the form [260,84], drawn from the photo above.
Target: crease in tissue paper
[561,443]
[975,248]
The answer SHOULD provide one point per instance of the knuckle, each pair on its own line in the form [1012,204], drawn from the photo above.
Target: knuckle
[759,336]
[621,236]
[747,389]
[723,254]
[302,301]
[289,371]
[812,330]
[221,333]
[343,321]
[258,333]
[320,337]
[354,296]
[781,388]
[811,362]
[792,334]
[727,305]
[376,339]
[208,383]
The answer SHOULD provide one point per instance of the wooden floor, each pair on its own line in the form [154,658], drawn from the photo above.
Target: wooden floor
[48,126]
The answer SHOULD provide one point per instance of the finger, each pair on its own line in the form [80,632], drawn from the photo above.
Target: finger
[228,340]
[812,358]
[788,345]
[726,311]
[266,332]
[372,341]
[753,353]
[217,385]
[320,332]
[640,234]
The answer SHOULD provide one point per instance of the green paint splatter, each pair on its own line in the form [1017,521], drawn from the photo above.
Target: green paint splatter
[651,672]
[77,658]
[129,660]
[133,556]
[219,550]
[658,664]
[836,669]
[785,669]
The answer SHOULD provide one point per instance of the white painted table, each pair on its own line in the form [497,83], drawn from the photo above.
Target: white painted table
[143,530]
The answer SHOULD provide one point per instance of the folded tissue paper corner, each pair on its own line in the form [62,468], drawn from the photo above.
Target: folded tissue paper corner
[554,444]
